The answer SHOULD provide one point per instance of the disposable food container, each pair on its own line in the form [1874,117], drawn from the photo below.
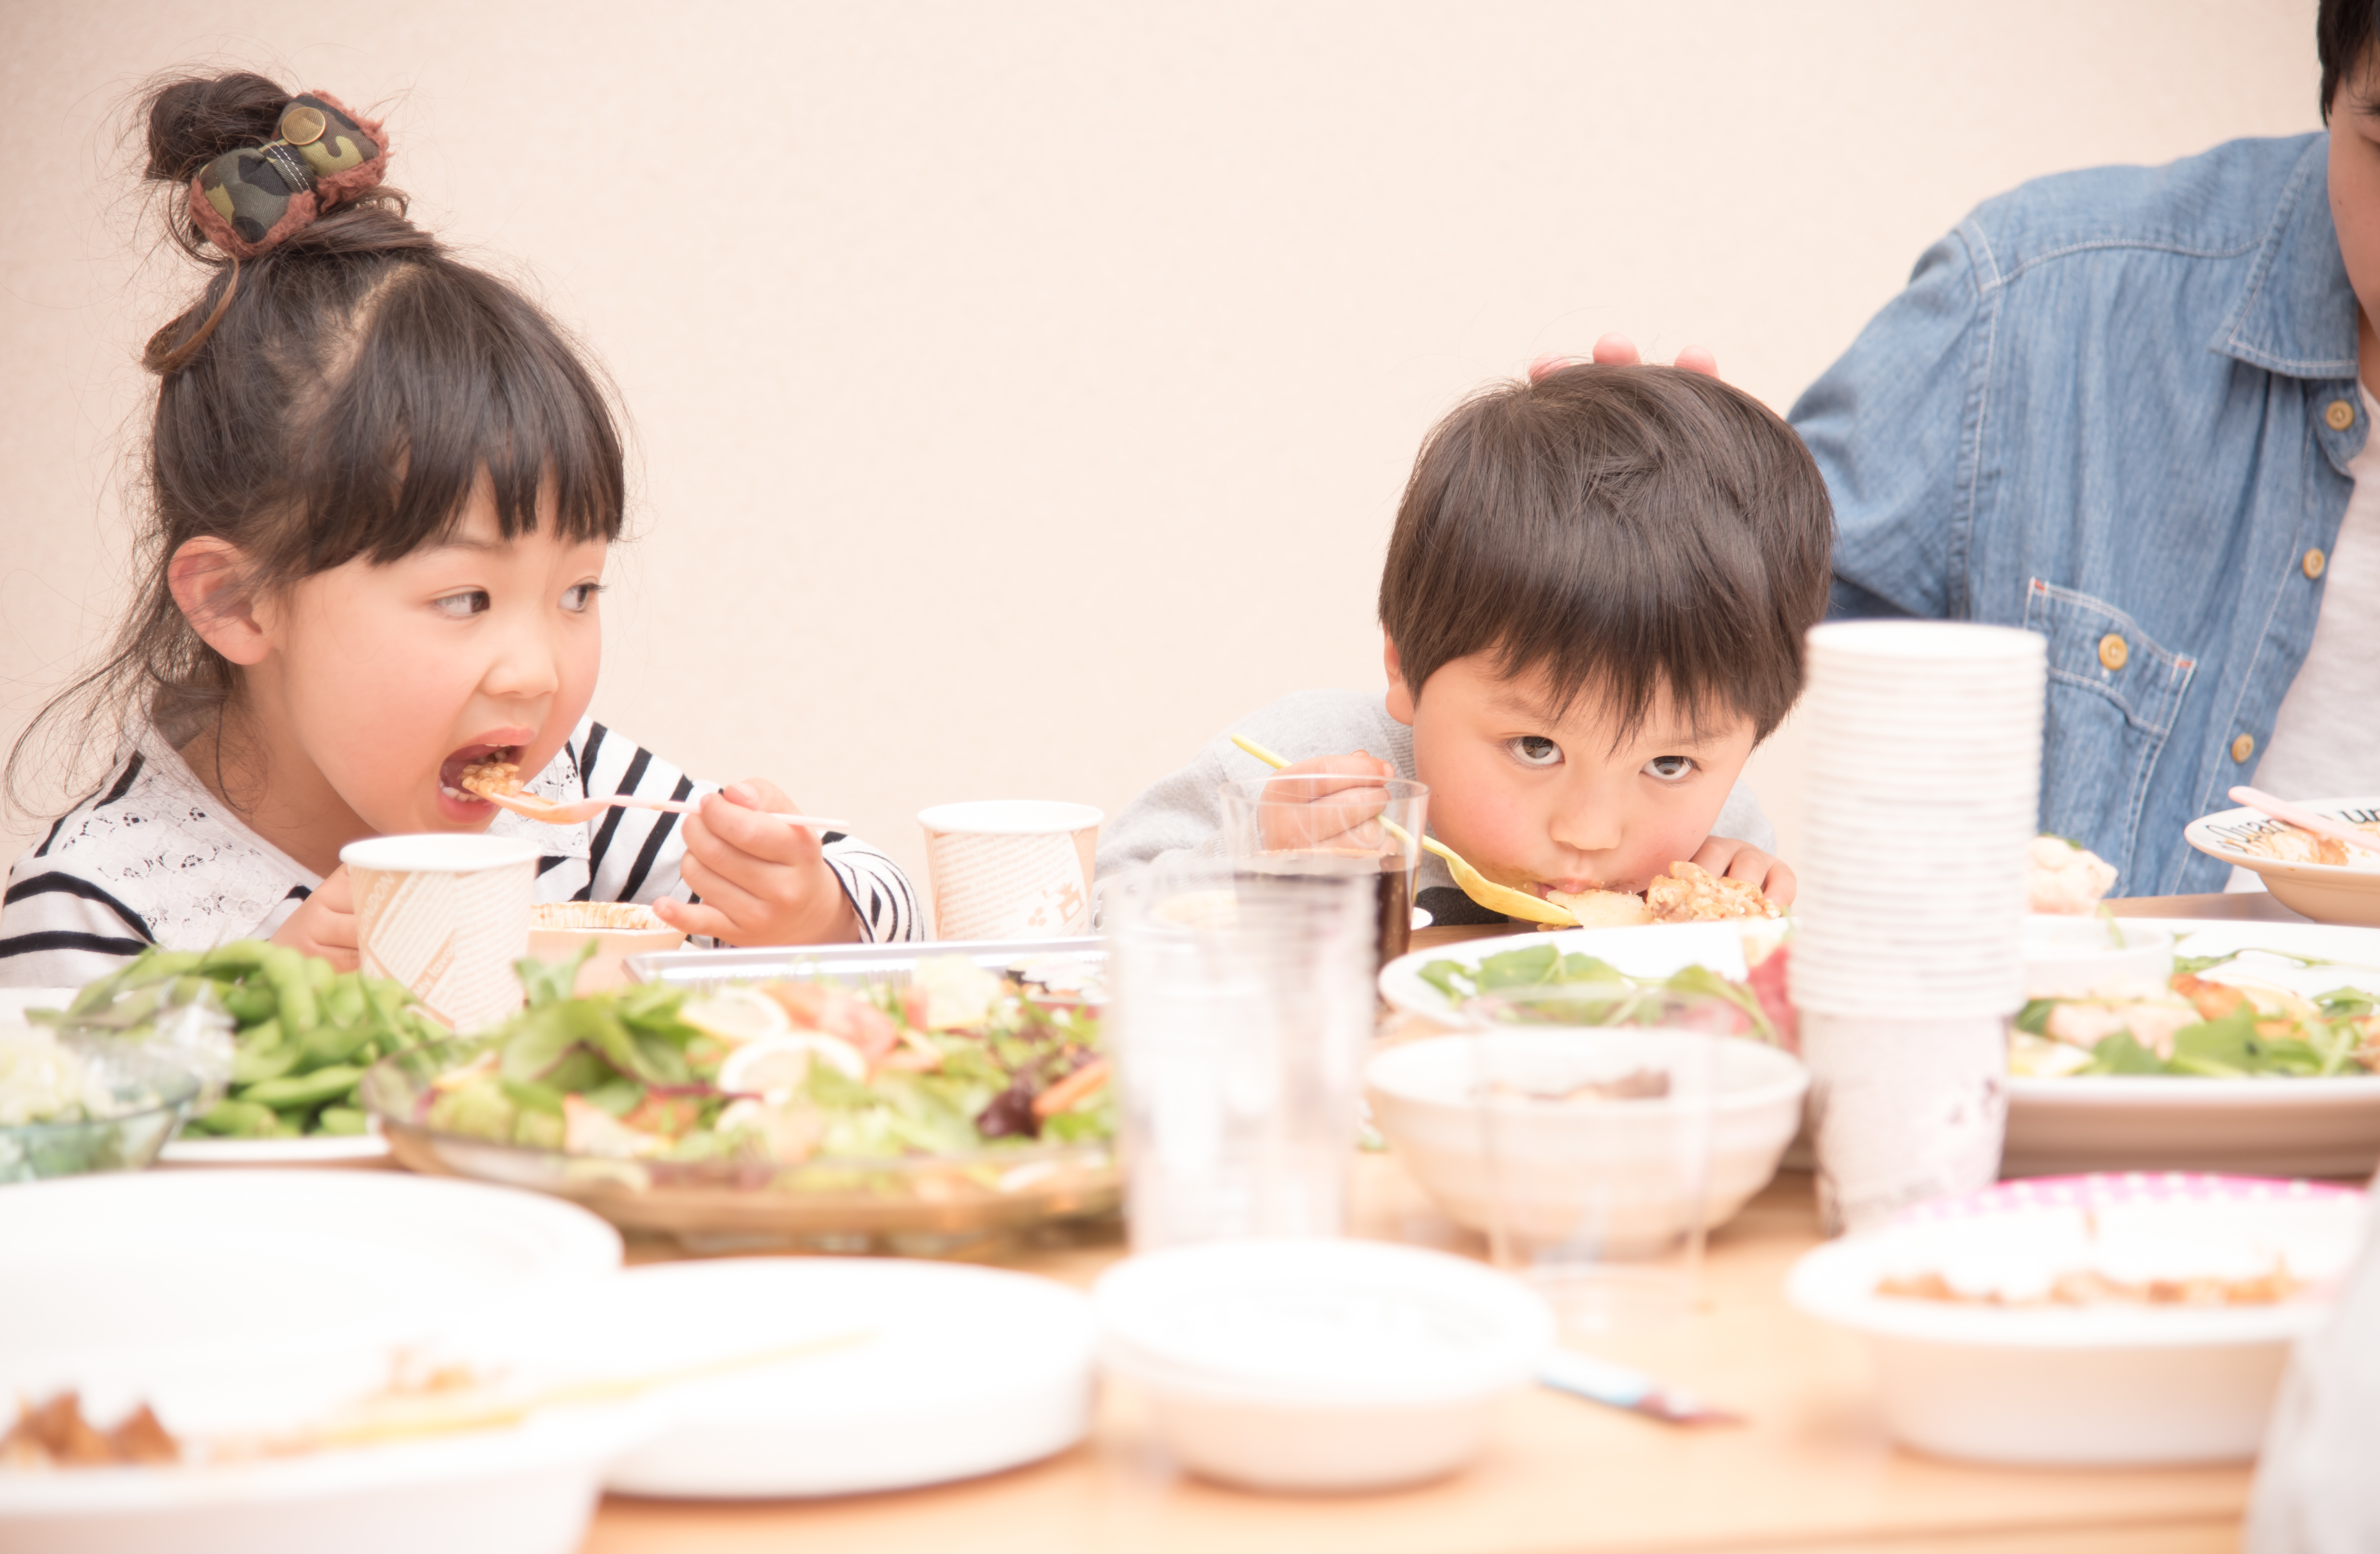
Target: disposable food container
[2091,957]
[2029,1380]
[1320,1365]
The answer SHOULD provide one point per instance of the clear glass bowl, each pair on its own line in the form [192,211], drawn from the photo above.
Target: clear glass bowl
[154,1094]
[923,1206]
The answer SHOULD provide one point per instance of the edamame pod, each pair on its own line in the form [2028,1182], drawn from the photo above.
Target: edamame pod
[327,1043]
[240,954]
[340,1121]
[299,1009]
[299,1090]
[238,1118]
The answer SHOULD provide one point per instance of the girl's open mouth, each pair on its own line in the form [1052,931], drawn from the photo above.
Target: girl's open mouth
[451,770]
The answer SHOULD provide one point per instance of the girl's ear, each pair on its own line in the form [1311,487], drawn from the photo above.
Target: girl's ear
[1400,698]
[206,575]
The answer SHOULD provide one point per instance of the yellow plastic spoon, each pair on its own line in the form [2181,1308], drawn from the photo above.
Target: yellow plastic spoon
[1477,886]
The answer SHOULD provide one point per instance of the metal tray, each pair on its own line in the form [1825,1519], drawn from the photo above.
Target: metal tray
[855,966]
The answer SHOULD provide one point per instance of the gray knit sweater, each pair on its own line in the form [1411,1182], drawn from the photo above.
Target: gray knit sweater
[1181,813]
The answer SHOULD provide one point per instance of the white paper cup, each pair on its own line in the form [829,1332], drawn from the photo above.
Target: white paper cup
[1010,867]
[446,914]
[1903,1108]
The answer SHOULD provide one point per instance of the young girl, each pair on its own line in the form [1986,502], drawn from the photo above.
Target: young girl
[383,486]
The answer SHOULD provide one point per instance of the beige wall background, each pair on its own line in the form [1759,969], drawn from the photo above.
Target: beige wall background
[1021,392]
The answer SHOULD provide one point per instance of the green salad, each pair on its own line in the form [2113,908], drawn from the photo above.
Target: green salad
[2203,1029]
[1630,999]
[960,1061]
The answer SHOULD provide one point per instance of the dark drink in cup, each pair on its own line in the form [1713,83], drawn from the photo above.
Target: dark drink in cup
[1391,873]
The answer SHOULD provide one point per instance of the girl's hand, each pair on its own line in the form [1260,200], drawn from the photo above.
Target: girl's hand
[1741,861]
[761,881]
[1329,812]
[325,924]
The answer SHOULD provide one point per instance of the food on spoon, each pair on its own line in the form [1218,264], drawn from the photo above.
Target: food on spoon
[53,1434]
[1602,909]
[2065,879]
[493,779]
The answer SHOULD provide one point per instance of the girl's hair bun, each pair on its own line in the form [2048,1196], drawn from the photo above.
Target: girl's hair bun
[200,128]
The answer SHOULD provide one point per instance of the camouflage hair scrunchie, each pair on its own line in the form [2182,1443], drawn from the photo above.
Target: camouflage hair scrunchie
[249,199]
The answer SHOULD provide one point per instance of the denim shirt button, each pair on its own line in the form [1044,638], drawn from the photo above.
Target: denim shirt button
[2313,563]
[2114,652]
[2243,748]
[2340,414]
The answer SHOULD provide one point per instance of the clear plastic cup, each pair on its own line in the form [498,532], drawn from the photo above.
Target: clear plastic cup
[1596,1112]
[1240,1010]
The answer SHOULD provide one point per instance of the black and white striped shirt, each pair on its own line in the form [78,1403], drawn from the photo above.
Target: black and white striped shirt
[154,858]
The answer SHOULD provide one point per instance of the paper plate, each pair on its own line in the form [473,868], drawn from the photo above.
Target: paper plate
[2328,893]
[886,1374]
[2113,1383]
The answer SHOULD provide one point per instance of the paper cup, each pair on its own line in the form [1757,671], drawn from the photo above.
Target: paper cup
[446,914]
[1011,868]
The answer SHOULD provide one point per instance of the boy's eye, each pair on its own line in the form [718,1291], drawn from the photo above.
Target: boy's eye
[462,606]
[580,597]
[1536,749]
[1669,768]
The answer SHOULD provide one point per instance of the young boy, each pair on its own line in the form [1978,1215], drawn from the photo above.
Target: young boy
[1594,606]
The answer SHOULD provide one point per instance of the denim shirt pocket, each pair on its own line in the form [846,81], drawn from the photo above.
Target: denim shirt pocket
[2113,695]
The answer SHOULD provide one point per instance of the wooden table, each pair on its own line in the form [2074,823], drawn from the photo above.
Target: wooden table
[1810,1472]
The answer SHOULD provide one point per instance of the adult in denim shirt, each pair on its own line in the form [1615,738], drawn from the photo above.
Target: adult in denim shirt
[2115,407]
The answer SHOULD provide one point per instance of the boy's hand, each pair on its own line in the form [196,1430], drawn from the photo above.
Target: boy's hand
[1617,350]
[761,881]
[1331,812]
[324,923]
[1741,861]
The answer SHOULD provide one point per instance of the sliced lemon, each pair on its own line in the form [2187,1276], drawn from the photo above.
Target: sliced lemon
[737,1016]
[776,1065]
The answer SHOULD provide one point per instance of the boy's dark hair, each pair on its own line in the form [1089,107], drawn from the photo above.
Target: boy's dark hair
[1627,529]
[2343,31]
[359,384]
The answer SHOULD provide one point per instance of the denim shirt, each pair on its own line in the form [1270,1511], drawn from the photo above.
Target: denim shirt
[2115,407]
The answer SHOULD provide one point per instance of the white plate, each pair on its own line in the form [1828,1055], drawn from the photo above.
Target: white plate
[2270,1127]
[2073,1385]
[240,1301]
[349,1149]
[115,1280]
[1647,950]
[2330,892]
[925,1373]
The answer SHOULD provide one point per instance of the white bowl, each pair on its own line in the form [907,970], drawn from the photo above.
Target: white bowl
[1320,1365]
[2085,1385]
[2094,957]
[2328,893]
[1617,1157]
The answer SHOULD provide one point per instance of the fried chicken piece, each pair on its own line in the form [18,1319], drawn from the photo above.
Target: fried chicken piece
[54,1434]
[2065,879]
[1690,893]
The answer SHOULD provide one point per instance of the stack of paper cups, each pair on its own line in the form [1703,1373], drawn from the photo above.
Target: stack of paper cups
[1908,949]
